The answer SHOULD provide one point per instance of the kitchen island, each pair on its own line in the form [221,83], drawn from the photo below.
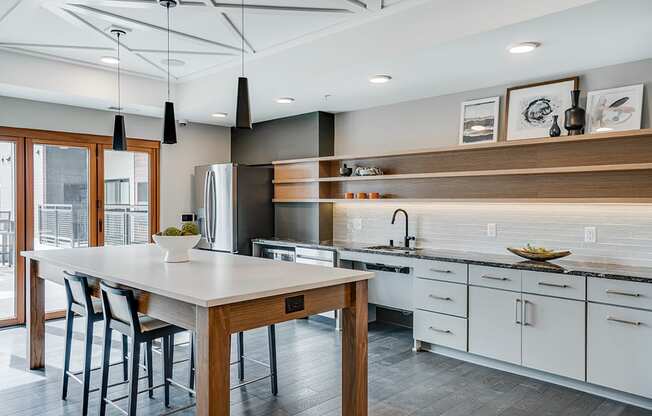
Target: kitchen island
[214,295]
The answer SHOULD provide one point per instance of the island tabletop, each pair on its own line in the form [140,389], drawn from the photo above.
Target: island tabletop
[214,295]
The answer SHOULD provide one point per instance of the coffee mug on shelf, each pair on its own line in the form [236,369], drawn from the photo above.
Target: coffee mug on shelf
[348,195]
[362,195]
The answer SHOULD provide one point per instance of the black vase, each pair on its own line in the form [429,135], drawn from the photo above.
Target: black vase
[575,117]
[555,131]
[345,171]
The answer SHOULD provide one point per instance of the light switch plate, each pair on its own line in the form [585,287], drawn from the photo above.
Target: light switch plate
[590,235]
[491,230]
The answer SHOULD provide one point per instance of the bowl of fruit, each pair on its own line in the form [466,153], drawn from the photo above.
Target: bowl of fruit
[176,243]
[538,253]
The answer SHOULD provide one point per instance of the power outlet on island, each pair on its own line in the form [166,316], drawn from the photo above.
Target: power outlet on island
[590,235]
[492,231]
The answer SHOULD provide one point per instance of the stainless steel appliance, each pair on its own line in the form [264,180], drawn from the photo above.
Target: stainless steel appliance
[315,256]
[278,253]
[233,204]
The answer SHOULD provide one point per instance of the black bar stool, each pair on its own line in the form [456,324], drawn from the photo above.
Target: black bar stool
[121,315]
[80,303]
[240,362]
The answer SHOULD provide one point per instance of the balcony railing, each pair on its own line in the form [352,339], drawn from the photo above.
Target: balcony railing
[126,224]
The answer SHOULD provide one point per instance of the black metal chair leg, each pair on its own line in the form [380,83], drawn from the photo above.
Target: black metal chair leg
[191,368]
[241,368]
[88,353]
[271,333]
[106,357]
[125,358]
[70,317]
[134,361]
[166,371]
[150,369]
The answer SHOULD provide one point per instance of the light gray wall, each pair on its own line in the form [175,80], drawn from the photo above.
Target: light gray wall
[198,143]
[624,231]
[434,121]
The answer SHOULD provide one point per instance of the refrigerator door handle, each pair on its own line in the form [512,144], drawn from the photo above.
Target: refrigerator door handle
[207,202]
[213,221]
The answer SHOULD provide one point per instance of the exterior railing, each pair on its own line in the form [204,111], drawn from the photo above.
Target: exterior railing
[126,224]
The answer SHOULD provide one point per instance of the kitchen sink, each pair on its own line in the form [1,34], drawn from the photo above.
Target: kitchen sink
[394,249]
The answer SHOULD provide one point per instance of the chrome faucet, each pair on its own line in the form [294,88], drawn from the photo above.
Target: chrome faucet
[408,238]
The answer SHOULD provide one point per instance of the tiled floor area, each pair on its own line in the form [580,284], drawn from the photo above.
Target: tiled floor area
[400,382]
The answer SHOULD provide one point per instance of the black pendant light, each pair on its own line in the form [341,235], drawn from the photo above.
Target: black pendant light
[169,122]
[119,135]
[243,110]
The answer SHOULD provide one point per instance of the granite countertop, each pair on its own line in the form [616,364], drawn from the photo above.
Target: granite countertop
[576,268]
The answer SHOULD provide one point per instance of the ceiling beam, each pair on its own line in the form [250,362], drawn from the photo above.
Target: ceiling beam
[55,46]
[279,9]
[9,10]
[183,52]
[112,17]
[236,31]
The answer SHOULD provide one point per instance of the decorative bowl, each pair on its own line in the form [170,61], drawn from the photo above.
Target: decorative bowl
[176,249]
[345,170]
[367,171]
[551,255]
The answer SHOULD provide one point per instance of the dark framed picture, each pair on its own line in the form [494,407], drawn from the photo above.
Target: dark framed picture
[530,108]
[479,121]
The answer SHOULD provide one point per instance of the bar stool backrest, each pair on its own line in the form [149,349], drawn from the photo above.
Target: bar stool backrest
[78,293]
[120,309]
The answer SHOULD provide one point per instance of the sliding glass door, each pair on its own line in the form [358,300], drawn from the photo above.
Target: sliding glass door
[11,228]
[60,197]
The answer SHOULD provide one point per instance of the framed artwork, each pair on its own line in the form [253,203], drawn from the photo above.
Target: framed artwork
[614,109]
[530,108]
[479,121]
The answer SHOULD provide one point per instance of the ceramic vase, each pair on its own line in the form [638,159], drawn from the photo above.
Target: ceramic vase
[575,117]
[555,131]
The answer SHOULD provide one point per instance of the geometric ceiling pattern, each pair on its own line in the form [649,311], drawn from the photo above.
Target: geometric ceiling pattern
[205,34]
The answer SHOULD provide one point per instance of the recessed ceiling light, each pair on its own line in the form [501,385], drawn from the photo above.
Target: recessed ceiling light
[380,79]
[523,47]
[285,100]
[603,129]
[111,60]
[477,128]
[173,62]
[219,115]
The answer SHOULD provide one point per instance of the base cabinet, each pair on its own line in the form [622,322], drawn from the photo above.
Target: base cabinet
[618,348]
[553,335]
[495,324]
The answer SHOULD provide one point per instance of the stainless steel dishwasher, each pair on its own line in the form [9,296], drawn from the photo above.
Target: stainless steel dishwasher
[319,257]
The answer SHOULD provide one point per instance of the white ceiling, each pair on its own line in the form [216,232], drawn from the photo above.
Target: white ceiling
[304,49]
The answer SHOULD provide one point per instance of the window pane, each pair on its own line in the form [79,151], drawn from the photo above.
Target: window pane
[60,206]
[7,231]
[126,209]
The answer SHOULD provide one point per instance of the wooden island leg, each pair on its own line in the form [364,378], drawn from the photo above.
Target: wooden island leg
[212,364]
[35,317]
[354,352]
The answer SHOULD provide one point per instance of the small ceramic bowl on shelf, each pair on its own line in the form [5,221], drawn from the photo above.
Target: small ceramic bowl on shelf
[362,195]
[374,195]
[349,195]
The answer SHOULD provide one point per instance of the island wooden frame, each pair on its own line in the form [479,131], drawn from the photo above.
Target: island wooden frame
[214,325]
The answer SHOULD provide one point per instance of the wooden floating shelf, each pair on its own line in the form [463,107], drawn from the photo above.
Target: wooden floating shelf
[487,146]
[476,173]
[472,200]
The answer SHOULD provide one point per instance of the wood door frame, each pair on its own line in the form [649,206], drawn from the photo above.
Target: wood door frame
[19,265]
[153,188]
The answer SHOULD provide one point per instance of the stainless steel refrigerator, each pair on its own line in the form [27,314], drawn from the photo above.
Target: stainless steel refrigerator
[233,204]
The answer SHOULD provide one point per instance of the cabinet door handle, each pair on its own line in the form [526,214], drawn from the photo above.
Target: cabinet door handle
[618,292]
[518,301]
[525,322]
[486,276]
[441,271]
[442,331]
[564,286]
[439,297]
[624,321]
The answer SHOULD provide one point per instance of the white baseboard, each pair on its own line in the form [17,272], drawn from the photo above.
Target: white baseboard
[536,374]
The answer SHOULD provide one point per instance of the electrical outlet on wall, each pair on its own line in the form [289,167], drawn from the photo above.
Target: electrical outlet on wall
[590,235]
[491,230]
[357,224]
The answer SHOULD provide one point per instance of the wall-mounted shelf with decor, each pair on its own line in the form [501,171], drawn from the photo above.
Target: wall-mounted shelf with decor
[601,167]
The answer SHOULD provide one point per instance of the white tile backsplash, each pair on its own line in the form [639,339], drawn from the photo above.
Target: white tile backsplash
[624,231]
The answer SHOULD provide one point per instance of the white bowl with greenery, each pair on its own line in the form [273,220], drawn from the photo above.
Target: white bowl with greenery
[177,243]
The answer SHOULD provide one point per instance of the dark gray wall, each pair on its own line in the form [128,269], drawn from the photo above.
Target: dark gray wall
[305,135]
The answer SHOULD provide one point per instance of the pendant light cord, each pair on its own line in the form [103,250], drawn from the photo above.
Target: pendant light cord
[242,38]
[168,9]
[119,91]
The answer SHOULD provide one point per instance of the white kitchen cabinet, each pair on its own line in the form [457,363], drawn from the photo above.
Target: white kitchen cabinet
[495,324]
[619,342]
[393,290]
[442,297]
[553,335]
[445,330]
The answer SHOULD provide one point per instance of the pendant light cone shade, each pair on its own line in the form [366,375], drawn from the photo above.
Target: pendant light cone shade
[169,125]
[119,135]
[243,111]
